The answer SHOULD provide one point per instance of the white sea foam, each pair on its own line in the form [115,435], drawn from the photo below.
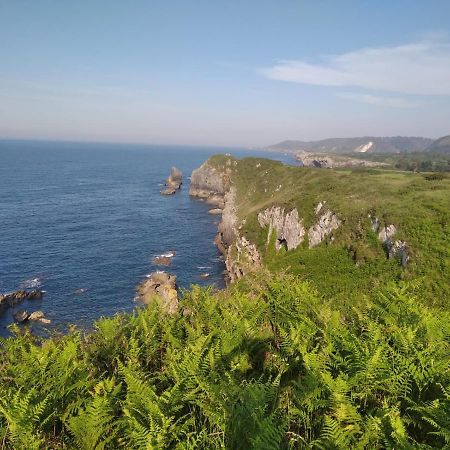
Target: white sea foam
[33,283]
[204,267]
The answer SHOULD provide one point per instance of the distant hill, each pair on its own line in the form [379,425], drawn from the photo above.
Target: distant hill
[441,145]
[368,144]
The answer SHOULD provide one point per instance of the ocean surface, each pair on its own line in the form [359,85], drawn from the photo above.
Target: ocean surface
[83,222]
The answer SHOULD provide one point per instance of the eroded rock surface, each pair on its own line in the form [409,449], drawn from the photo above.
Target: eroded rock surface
[160,287]
[394,248]
[287,226]
[210,184]
[326,224]
[14,298]
[173,183]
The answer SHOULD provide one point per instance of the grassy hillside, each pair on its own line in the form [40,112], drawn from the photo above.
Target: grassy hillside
[418,205]
[266,365]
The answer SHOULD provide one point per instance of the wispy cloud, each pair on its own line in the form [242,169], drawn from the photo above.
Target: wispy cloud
[419,68]
[392,102]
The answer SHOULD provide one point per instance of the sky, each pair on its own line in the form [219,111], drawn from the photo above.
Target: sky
[223,72]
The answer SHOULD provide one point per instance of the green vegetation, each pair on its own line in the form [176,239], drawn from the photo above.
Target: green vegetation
[414,162]
[330,348]
[355,263]
[267,364]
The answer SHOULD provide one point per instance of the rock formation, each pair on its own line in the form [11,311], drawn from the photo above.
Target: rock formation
[173,183]
[22,316]
[160,287]
[213,185]
[326,224]
[210,184]
[289,229]
[13,298]
[394,248]
[327,161]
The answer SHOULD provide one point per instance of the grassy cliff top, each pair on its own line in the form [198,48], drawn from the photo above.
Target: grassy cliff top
[417,204]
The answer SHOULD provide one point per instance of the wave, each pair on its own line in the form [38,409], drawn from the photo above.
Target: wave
[32,283]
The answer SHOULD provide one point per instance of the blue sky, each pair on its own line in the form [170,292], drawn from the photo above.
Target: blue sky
[232,73]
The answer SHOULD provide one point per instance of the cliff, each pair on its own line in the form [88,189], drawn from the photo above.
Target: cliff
[344,230]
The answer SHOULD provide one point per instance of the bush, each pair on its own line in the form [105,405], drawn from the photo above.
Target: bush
[266,364]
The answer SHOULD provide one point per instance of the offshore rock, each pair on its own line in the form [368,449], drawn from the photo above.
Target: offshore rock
[161,288]
[288,227]
[13,298]
[21,316]
[327,223]
[173,182]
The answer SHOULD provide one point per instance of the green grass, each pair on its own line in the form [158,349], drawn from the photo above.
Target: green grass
[418,206]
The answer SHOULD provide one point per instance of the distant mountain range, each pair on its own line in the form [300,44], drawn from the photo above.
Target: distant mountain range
[368,144]
[441,145]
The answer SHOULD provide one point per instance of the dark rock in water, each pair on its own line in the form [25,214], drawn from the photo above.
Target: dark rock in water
[13,298]
[162,260]
[160,288]
[204,275]
[21,316]
[173,183]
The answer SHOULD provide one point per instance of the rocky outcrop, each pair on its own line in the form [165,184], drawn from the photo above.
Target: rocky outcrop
[242,257]
[288,228]
[394,248]
[23,316]
[326,224]
[210,184]
[173,183]
[160,288]
[319,160]
[213,185]
[14,298]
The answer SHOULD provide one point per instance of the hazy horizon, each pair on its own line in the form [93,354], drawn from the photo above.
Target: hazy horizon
[246,74]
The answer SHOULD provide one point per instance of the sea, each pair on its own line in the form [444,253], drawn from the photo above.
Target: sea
[83,222]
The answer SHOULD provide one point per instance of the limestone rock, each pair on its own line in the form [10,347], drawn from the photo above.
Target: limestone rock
[288,227]
[173,182]
[394,249]
[209,184]
[326,224]
[160,287]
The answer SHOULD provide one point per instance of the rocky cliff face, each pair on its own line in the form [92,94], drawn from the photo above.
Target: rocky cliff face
[394,248]
[214,186]
[327,222]
[288,228]
[210,184]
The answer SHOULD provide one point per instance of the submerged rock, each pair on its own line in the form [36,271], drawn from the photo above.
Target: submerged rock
[160,287]
[162,260]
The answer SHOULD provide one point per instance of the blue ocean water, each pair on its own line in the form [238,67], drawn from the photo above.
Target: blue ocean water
[84,221]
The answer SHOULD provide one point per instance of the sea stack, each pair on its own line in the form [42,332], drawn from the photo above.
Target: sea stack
[173,183]
[160,287]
